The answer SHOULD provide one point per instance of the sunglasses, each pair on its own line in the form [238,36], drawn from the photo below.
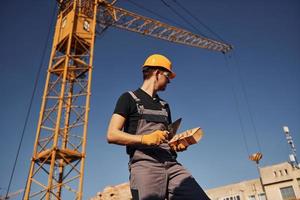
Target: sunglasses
[167,75]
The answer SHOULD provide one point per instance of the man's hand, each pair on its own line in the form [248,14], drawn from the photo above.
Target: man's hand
[178,147]
[155,138]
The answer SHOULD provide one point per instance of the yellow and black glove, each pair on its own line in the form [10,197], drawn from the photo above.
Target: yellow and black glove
[155,138]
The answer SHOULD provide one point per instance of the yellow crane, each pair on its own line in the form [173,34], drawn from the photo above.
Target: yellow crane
[57,163]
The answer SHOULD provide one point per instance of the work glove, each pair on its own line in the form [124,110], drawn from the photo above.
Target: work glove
[178,147]
[155,138]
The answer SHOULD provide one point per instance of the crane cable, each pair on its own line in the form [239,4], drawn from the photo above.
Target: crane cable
[183,18]
[227,63]
[31,100]
[244,92]
[156,14]
[237,107]
[199,21]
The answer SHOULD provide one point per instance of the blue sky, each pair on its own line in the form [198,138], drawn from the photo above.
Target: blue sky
[261,77]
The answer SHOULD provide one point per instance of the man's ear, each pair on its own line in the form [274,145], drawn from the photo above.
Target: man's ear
[157,72]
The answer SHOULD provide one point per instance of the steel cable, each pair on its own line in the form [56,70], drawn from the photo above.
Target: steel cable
[244,93]
[247,102]
[183,18]
[31,101]
[237,108]
[156,14]
[198,20]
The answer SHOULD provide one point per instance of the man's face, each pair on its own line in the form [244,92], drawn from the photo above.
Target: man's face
[163,80]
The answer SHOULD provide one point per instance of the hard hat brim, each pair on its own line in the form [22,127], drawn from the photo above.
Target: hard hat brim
[173,75]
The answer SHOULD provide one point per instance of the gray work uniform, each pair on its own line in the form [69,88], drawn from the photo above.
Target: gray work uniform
[154,172]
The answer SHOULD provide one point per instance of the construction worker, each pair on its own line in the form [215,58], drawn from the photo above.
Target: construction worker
[140,122]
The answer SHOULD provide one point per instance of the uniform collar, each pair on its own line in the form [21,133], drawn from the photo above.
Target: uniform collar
[155,98]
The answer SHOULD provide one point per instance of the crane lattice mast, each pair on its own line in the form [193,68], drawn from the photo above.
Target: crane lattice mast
[57,164]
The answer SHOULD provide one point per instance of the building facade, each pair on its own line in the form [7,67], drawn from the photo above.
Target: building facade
[278,182]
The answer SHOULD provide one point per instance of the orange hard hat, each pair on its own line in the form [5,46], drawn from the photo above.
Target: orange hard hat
[157,60]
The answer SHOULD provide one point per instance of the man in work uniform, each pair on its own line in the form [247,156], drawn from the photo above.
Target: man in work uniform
[140,122]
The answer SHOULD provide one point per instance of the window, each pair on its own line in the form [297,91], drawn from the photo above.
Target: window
[298,180]
[287,193]
[281,174]
[286,171]
[275,174]
[235,197]
[252,197]
[262,196]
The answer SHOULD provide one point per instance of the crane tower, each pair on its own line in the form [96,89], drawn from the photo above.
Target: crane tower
[57,163]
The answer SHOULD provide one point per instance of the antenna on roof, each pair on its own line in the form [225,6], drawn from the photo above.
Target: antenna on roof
[292,157]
